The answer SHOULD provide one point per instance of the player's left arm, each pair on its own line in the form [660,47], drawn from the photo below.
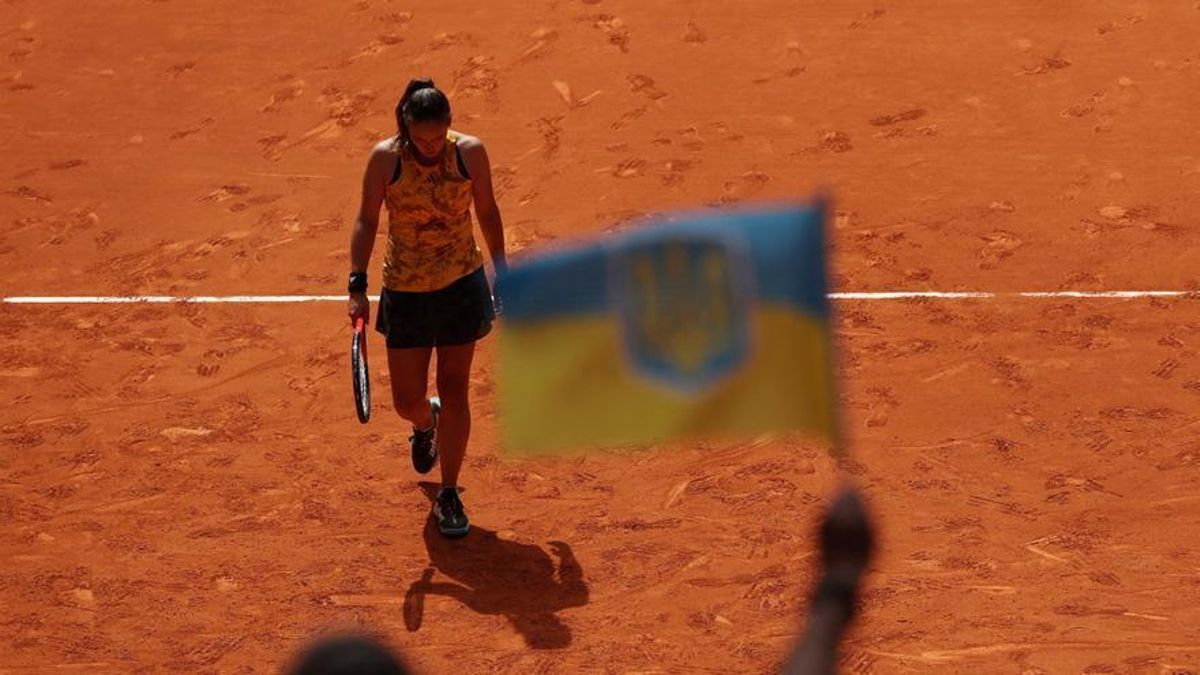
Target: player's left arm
[475,158]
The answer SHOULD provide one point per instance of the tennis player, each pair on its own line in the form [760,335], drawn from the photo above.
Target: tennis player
[435,295]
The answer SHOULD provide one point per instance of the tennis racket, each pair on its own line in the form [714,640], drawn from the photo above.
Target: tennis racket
[359,375]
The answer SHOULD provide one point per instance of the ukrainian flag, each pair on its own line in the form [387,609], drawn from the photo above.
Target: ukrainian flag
[713,324]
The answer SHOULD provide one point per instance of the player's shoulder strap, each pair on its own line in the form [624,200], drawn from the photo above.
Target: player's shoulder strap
[399,145]
[455,138]
[396,171]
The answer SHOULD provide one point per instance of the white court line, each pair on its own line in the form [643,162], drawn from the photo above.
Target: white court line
[903,295]
[163,299]
[881,295]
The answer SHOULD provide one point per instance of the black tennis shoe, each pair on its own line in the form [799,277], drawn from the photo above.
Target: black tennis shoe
[424,442]
[450,515]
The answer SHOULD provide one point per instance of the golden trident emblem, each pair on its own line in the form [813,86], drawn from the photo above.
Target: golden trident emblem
[684,310]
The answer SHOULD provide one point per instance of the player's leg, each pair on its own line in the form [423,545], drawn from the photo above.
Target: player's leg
[405,320]
[409,371]
[465,316]
[454,423]
[409,380]
[454,429]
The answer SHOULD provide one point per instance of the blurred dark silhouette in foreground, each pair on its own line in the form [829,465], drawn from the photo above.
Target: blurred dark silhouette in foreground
[347,654]
[847,540]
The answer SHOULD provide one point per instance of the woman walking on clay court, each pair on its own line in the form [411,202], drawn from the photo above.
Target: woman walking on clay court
[435,294]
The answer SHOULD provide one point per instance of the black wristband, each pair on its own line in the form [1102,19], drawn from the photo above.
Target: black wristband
[358,282]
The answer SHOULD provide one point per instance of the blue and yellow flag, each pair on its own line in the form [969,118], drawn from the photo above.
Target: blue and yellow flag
[711,324]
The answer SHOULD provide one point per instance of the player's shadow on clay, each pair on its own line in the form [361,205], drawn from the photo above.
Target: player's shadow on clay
[493,576]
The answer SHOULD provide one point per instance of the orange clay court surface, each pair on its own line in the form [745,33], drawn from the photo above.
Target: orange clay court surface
[186,488]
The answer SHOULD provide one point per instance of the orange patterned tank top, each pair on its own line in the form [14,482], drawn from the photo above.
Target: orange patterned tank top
[430,241]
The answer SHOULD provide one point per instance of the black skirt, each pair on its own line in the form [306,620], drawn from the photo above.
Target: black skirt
[458,314]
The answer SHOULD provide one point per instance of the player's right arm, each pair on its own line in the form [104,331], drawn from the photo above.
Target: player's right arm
[380,165]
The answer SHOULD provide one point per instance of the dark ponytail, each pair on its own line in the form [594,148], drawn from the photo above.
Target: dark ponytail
[421,102]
